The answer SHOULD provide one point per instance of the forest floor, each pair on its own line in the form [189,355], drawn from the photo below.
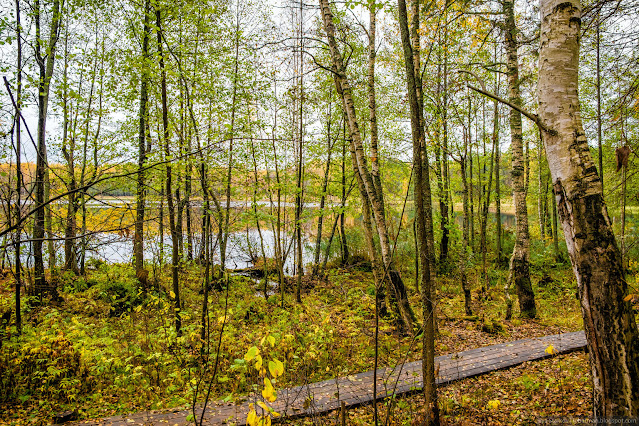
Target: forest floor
[106,349]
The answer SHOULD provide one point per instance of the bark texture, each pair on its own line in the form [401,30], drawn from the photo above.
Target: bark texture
[611,330]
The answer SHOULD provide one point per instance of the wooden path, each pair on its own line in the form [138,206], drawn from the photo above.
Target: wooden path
[357,389]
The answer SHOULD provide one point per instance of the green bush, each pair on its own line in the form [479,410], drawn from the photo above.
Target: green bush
[121,293]
[46,367]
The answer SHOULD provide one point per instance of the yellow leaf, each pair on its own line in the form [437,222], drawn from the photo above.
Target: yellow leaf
[628,298]
[251,353]
[251,418]
[269,392]
[493,404]
[258,362]
[550,350]
[263,406]
[221,319]
[172,295]
[276,368]
[271,340]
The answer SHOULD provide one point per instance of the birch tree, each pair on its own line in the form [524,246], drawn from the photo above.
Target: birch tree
[609,322]
[519,273]
[369,194]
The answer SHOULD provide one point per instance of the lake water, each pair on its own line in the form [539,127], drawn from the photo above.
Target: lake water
[113,248]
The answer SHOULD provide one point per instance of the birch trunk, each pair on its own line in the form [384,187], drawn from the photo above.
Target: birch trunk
[372,103]
[394,284]
[611,330]
[519,274]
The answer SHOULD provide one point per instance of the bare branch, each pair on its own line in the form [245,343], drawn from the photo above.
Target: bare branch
[532,117]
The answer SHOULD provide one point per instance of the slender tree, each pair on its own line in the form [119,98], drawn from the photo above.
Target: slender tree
[370,197]
[45,54]
[169,174]
[138,241]
[19,177]
[410,43]
[519,273]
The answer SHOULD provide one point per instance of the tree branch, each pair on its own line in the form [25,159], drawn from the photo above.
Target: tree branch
[532,117]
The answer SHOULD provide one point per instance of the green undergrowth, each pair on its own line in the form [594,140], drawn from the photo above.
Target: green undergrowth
[110,348]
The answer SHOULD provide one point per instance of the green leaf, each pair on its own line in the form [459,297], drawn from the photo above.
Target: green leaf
[276,368]
[251,353]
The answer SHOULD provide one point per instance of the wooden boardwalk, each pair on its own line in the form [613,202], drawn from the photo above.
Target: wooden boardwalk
[357,389]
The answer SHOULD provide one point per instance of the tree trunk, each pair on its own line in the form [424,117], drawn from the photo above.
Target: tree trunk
[498,227]
[519,273]
[320,219]
[611,330]
[441,156]
[19,177]
[187,205]
[300,162]
[138,241]
[372,103]
[394,286]
[471,196]
[599,138]
[343,243]
[422,205]
[466,251]
[175,280]
[415,40]
[68,151]
[45,61]
[542,193]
